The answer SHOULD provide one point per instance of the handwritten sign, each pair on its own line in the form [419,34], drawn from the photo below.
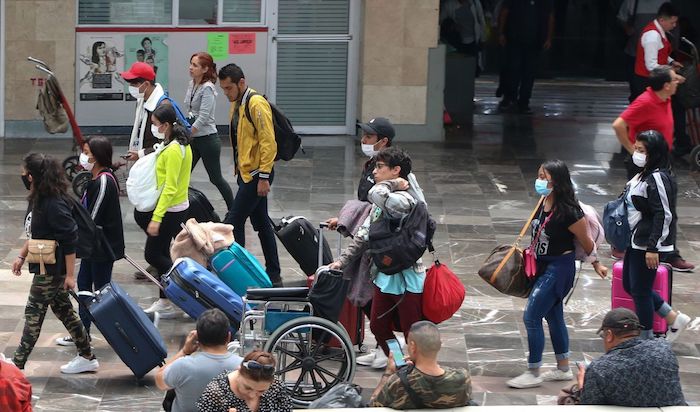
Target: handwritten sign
[217,46]
[241,43]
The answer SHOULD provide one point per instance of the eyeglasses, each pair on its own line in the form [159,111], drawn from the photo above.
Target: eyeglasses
[379,165]
[602,333]
[252,365]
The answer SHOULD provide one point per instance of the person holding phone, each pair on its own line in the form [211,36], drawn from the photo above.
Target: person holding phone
[421,383]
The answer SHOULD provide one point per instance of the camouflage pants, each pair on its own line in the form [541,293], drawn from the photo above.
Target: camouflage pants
[47,290]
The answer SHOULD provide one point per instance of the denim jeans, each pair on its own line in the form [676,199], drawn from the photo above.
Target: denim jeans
[92,276]
[546,301]
[638,281]
[248,204]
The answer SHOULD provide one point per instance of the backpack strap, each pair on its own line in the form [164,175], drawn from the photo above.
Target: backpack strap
[180,116]
[247,110]
[415,398]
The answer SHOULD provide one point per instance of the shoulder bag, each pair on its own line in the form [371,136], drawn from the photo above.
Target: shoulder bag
[42,252]
[504,269]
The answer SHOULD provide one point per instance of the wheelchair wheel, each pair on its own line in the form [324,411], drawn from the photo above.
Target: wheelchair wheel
[306,365]
[71,165]
[80,182]
[695,158]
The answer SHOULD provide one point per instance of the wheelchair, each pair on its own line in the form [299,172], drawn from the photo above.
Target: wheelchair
[313,354]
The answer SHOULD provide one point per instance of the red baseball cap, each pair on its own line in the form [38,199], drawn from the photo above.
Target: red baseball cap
[139,70]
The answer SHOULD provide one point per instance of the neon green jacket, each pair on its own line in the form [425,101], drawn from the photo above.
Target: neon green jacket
[173,175]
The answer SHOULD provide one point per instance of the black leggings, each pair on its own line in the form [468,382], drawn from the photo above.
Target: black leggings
[157,252]
[208,148]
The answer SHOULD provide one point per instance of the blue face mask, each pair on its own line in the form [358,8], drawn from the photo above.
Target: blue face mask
[541,187]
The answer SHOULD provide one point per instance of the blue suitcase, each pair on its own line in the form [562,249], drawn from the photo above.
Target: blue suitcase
[127,329]
[238,269]
[194,289]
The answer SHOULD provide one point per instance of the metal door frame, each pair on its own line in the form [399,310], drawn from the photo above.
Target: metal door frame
[352,85]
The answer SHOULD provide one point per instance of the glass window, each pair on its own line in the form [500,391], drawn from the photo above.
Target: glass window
[143,12]
[242,11]
[198,12]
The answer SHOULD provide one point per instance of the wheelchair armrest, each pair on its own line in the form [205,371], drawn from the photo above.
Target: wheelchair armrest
[277,293]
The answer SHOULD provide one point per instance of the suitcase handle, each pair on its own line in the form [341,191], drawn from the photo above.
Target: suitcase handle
[143,271]
[321,226]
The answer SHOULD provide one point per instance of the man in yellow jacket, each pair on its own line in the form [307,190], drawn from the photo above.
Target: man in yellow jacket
[254,151]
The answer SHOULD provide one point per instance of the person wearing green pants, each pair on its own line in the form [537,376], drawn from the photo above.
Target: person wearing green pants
[200,100]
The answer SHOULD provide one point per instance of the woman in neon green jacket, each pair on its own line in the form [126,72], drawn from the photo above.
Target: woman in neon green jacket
[173,175]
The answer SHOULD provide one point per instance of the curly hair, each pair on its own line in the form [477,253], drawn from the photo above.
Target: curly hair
[48,177]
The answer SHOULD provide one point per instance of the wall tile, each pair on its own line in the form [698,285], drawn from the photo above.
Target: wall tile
[414,66]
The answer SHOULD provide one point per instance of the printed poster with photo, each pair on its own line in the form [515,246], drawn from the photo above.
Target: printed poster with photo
[149,48]
[100,60]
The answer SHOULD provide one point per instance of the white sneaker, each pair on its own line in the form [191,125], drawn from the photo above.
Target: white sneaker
[557,375]
[526,380]
[165,309]
[678,326]
[64,341]
[366,360]
[80,365]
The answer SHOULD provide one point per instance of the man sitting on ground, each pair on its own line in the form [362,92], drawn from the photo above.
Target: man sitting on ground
[203,357]
[633,371]
[428,385]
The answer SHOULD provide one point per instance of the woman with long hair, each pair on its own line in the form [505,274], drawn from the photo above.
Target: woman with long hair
[101,199]
[200,100]
[559,221]
[173,168]
[50,217]
[252,387]
[651,211]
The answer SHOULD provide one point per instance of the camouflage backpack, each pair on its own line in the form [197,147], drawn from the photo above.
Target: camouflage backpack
[49,105]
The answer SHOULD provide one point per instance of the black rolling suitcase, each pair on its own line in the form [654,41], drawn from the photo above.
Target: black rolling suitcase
[201,208]
[301,238]
[126,328]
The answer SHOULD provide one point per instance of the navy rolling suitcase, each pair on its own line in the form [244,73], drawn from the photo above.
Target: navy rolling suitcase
[127,329]
[194,289]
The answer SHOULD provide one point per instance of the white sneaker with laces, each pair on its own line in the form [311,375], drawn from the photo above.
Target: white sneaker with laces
[678,326]
[64,341]
[524,381]
[557,375]
[165,309]
[79,365]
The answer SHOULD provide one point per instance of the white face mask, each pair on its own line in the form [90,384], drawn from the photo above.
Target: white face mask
[639,159]
[368,150]
[134,91]
[156,133]
[85,162]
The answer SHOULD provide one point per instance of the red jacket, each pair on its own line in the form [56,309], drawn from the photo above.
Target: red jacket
[639,67]
[15,389]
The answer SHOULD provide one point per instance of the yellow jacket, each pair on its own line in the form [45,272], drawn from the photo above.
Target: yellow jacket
[257,147]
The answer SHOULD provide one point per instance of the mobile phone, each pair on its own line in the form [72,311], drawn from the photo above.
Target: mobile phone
[395,349]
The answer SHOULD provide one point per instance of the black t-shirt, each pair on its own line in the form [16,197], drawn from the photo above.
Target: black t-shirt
[556,238]
[367,180]
[528,21]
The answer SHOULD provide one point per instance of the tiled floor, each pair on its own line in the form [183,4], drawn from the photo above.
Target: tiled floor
[479,188]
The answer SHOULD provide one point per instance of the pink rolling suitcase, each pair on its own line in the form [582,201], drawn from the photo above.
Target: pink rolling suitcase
[620,298]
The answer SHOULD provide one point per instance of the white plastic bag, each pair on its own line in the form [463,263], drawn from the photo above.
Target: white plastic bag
[142,183]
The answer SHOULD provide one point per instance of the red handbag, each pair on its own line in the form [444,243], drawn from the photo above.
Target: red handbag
[443,293]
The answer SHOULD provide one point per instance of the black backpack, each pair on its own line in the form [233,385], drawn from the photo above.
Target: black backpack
[91,240]
[396,244]
[288,142]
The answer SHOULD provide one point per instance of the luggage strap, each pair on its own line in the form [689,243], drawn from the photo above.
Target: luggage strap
[415,398]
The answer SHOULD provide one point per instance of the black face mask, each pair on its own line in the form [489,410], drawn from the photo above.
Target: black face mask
[27,183]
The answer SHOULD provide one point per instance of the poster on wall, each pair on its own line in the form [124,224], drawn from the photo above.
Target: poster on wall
[151,49]
[101,58]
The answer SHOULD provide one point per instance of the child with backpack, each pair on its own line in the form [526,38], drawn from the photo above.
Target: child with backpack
[101,199]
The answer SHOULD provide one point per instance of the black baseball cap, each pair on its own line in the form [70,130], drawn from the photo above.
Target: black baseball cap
[621,319]
[381,126]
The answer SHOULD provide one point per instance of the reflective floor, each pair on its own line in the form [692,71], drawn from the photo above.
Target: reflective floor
[479,186]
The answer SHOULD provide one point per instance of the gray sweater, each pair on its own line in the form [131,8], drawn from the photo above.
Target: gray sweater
[202,105]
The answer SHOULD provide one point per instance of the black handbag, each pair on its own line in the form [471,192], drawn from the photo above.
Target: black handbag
[328,293]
